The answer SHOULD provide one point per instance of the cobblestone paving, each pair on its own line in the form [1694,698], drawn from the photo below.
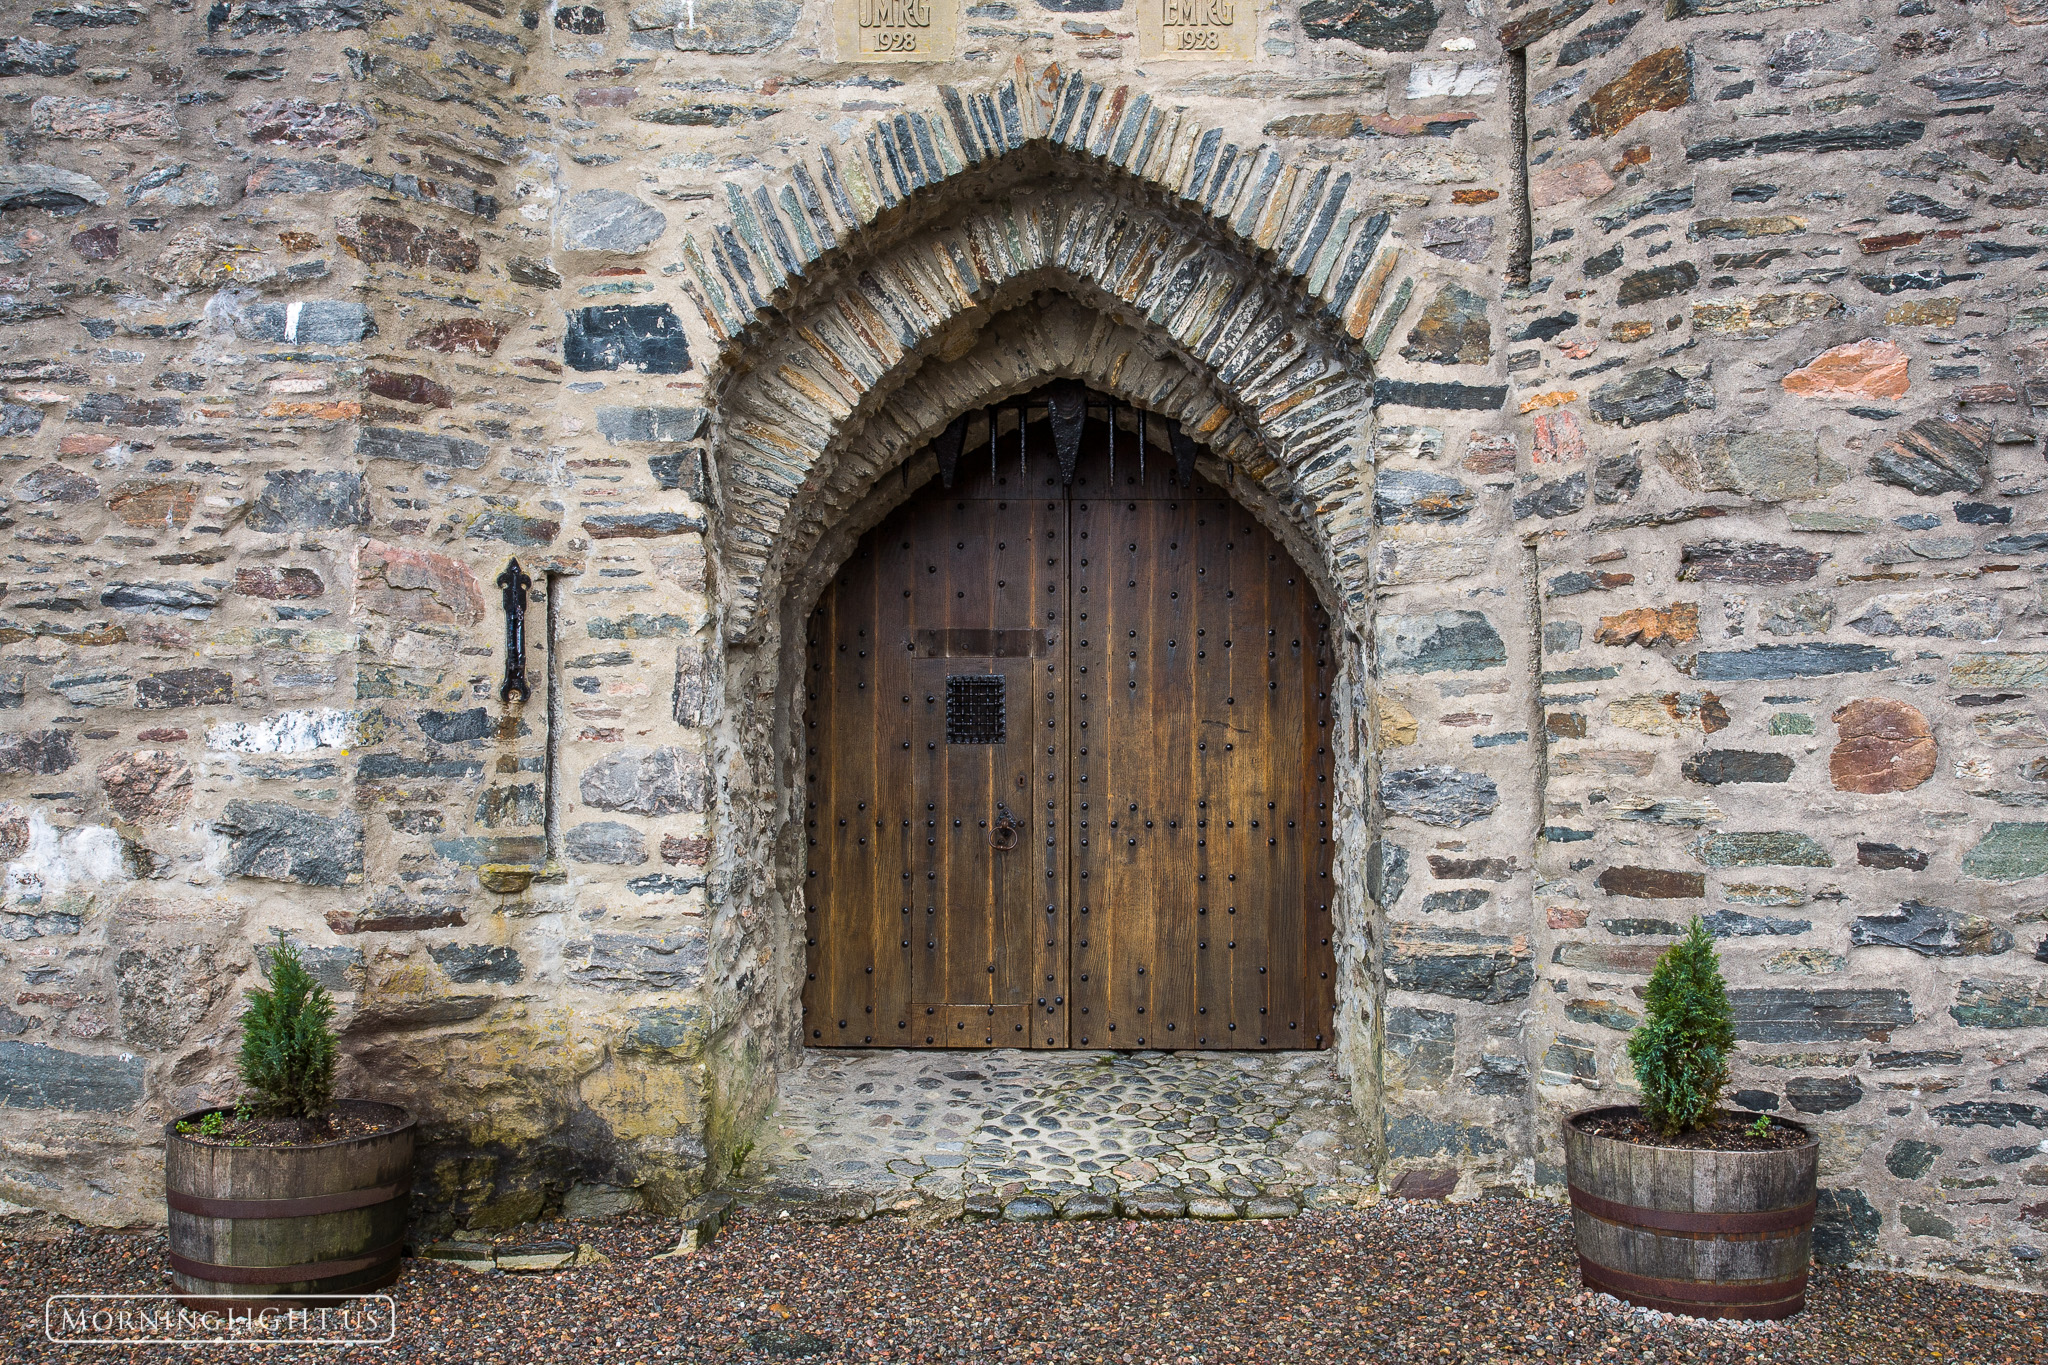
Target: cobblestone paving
[1034,1135]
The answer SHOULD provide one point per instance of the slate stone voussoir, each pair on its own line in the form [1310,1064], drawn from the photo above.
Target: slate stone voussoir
[1651,583]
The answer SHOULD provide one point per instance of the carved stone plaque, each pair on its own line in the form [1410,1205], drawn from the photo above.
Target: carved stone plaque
[1197,30]
[895,30]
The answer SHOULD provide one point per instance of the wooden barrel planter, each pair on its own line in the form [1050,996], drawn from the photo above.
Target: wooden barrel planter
[325,1218]
[1711,1234]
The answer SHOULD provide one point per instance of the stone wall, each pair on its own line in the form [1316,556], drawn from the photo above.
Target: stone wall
[1781,384]
[1693,574]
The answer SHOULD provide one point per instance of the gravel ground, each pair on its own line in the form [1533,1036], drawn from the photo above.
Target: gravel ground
[1395,1283]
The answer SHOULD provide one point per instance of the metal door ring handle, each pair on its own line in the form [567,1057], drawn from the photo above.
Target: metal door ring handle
[1003,837]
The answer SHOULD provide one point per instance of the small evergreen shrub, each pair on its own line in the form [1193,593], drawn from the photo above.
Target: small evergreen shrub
[1681,1051]
[288,1046]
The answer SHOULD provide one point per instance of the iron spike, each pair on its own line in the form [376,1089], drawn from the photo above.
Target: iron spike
[949,444]
[1183,456]
[1067,413]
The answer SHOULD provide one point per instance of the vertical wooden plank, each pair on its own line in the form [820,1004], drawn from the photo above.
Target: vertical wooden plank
[898,833]
[1053,841]
[1087,655]
[843,874]
[926,599]
[1135,943]
[1114,924]
[1283,722]
[1213,977]
[848,943]
[1170,566]
[959,963]
[821,768]
[864,824]
[1013,893]
[1245,894]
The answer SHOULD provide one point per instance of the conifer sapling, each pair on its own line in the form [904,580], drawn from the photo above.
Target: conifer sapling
[288,1048]
[1681,1051]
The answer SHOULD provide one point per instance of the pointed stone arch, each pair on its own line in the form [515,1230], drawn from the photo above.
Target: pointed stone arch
[1054,337]
[1300,215]
[812,393]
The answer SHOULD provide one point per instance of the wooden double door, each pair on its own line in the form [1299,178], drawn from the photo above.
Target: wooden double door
[1068,758]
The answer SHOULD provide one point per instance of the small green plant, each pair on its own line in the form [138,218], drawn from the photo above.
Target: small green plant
[740,1155]
[1760,1127]
[288,1046]
[213,1125]
[1681,1051]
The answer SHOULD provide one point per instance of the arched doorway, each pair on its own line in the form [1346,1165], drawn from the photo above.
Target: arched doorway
[1067,756]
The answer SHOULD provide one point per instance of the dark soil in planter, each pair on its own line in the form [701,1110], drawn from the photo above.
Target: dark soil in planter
[1726,1132]
[336,1125]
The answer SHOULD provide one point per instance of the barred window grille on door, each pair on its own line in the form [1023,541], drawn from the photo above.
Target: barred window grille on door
[974,708]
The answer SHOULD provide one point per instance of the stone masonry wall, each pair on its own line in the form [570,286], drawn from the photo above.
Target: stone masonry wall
[1694,574]
[1781,380]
